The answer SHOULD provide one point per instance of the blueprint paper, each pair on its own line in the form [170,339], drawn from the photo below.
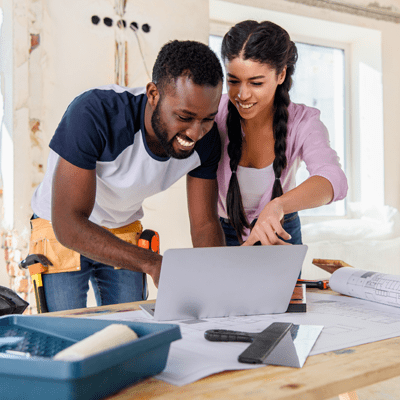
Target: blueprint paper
[367,285]
[347,322]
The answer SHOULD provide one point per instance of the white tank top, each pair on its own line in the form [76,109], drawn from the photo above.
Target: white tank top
[253,183]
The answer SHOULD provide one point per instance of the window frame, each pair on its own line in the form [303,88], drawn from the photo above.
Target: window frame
[346,115]
[362,46]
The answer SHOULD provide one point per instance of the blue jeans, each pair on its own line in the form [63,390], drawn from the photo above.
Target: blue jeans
[68,290]
[291,225]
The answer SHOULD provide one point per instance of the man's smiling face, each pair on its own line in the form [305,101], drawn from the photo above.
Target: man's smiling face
[184,113]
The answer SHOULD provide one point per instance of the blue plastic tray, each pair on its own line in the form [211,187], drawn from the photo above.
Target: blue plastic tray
[40,377]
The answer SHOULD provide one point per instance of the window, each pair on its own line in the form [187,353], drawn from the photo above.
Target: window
[346,62]
[318,82]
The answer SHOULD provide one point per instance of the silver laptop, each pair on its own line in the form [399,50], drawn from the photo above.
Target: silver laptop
[212,282]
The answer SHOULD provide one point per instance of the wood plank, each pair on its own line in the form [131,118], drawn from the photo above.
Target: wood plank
[322,377]
[84,312]
[330,265]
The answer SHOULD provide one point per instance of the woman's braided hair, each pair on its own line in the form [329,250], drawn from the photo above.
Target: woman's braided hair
[266,43]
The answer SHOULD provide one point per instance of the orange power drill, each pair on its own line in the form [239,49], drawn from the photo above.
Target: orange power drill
[150,240]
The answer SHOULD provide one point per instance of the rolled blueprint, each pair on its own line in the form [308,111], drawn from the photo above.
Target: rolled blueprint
[367,285]
[112,336]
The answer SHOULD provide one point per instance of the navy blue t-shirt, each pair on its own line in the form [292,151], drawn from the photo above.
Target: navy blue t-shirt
[103,129]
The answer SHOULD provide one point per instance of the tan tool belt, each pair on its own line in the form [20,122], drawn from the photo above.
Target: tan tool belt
[43,241]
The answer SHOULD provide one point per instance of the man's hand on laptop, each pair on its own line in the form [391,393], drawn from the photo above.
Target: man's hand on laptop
[154,268]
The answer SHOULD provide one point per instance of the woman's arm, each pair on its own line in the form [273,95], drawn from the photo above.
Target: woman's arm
[316,191]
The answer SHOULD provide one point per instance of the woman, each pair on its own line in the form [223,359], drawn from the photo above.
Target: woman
[265,137]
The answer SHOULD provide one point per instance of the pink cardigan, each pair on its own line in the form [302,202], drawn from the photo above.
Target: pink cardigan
[307,140]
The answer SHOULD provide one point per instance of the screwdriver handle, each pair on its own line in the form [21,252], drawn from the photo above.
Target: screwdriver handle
[320,284]
[39,293]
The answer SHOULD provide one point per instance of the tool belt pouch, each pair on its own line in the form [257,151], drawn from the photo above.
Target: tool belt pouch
[128,233]
[43,241]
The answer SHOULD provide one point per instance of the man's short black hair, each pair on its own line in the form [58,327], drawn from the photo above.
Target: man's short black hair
[187,58]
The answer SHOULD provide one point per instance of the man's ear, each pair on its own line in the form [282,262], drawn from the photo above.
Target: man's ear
[153,95]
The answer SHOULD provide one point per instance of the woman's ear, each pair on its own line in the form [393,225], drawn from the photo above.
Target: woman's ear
[153,95]
[282,76]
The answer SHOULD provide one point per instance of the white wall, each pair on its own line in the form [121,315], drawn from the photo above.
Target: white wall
[74,55]
[80,55]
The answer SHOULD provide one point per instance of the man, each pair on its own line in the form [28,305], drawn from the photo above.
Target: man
[113,148]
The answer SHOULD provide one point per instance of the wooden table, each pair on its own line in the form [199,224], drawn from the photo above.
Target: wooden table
[323,376]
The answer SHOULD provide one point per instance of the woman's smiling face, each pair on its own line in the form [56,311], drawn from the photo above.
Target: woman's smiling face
[251,86]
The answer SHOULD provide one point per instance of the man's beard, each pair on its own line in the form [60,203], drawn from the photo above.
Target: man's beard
[162,135]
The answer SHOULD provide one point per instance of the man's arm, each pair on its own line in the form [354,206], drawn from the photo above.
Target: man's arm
[73,198]
[205,227]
